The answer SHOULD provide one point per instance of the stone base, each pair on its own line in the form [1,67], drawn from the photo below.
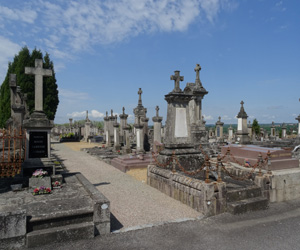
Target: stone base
[208,198]
[189,158]
[281,185]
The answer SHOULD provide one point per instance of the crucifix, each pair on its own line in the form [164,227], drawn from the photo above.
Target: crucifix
[157,109]
[197,70]
[242,103]
[177,78]
[38,72]
[140,92]
[123,109]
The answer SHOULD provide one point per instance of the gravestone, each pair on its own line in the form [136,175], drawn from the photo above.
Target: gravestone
[283,131]
[242,129]
[123,125]
[87,127]
[38,126]
[197,123]
[178,137]
[157,126]
[273,132]
[230,134]
[139,136]
[116,125]
[219,130]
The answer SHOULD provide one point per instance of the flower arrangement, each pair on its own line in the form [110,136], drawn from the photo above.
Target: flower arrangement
[103,146]
[39,173]
[119,152]
[41,190]
[56,184]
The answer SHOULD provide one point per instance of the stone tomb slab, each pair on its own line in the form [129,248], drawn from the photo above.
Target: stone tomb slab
[280,158]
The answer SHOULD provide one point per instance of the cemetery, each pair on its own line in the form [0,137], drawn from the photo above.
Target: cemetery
[209,169]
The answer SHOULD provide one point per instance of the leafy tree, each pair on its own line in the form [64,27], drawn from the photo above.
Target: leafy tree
[26,82]
[255,127]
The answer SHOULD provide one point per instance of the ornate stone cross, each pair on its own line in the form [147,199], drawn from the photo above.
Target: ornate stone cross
[39,72]
[157,109]
[140,92]
[197,70]
[242,103]
[123,109]
[111,113]
[177,78]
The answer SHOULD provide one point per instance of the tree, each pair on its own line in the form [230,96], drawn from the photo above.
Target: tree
[26,82]
[255,127]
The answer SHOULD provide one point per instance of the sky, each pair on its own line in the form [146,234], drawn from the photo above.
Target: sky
[104,51]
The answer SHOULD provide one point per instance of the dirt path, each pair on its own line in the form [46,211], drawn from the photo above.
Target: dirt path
[133,203]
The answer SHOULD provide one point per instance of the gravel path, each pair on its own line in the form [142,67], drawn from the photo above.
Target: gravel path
[134,204]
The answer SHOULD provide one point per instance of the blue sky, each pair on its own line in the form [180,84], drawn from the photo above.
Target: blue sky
[103,51]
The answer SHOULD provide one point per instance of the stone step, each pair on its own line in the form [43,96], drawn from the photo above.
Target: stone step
[42,237]
[243,193]
[247,205]
[59,220]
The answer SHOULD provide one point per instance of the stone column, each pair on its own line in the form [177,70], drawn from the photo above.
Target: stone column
[219,130]
[127,146]
[242,130]
[106,122]
[230,134]
[157,126]
[116,134]
[123,125]
[139,137]
[273,131]
[283,131]
[298,119]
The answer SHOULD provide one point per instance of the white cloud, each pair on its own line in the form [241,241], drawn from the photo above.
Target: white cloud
[77,114]
[81,24]
[82,114]
[24,15]
[226,118]
[96,114]
[7,51]
[208,117]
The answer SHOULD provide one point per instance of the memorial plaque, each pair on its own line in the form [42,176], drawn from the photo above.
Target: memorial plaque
[38,145]
[240,124]
[180,123]
[218,131]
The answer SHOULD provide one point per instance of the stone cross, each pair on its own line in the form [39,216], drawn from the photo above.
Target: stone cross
[157,109]
[38,72]
[242,103]
[140,92]
[106,114]
[123,109]
[87,115]
[197,69]
[219,118]
[177,78]
[111,113]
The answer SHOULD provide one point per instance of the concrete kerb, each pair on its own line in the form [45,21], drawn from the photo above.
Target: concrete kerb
[101,216]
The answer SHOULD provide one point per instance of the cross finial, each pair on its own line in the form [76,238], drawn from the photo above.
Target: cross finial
[39,72]
[219,118]
[177,78]
[12,80]
[123,109]
[157,109]
[242,103]
[106,114]
[111,113]
[197,70]
[140,92]
[87,115]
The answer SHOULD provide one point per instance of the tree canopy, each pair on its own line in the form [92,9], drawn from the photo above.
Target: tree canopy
[255,127]
[26,82]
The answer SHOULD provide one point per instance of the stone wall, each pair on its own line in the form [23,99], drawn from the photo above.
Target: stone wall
[207,198]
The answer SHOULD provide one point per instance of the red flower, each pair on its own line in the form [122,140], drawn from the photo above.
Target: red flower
[36,190]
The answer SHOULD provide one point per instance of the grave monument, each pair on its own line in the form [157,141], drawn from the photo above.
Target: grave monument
[178,135]
[242,129]
[38,126]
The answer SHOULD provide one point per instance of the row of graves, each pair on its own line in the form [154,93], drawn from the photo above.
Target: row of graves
[249,171]
[207,170]
[40,203]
